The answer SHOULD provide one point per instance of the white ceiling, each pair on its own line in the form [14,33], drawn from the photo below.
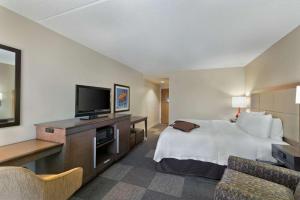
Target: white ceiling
[156,36]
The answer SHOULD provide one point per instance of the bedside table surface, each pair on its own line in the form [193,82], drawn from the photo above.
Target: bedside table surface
[287,155]
[288,149]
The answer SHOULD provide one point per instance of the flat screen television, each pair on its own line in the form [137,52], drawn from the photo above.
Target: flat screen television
[92,101]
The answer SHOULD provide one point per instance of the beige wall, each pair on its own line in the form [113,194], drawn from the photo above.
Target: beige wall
[51,66]
[205,94]
[278,65]
[151,102]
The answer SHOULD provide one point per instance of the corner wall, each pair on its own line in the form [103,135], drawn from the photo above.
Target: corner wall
[278,65]
[151,102]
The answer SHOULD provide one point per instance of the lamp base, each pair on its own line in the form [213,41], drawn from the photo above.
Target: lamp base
[238,113]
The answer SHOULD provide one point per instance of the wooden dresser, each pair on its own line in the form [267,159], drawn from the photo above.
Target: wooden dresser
[79,146]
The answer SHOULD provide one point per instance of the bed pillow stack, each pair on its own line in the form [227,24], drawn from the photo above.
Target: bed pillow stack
[255,123]
[276,129]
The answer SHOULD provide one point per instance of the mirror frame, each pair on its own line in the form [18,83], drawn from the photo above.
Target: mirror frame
[17,86]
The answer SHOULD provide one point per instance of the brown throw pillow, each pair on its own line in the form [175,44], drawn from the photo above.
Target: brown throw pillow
[184,126]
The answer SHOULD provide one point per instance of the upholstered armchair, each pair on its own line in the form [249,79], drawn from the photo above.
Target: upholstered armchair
[18,183]
[251,180]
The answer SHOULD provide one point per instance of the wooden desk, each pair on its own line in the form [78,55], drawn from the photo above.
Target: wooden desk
[137,119]
[24,152]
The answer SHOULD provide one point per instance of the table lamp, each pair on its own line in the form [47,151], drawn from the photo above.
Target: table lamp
[239,102]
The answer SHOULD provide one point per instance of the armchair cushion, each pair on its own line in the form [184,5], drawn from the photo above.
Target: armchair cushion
[283,176]
[18,183]
[239,186]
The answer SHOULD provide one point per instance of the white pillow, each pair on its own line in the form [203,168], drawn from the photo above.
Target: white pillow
[259,113]
[243,118]
[276,129]
[256,113]
[256,125]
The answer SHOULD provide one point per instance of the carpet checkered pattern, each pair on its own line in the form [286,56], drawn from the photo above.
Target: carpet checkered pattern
[134,178]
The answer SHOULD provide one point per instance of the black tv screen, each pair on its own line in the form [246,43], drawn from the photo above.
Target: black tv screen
[92,100]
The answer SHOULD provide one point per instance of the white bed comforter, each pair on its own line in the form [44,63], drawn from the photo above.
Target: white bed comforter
[214,142]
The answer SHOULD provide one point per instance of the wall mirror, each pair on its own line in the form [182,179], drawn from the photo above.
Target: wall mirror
[10,84]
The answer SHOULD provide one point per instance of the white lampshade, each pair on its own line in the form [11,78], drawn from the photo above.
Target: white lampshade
[239,102]
[1,96]
[298,95]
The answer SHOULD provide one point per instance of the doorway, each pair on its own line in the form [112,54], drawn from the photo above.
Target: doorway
[164,106]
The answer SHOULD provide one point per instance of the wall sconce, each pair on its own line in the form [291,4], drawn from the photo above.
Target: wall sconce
[1,98]
[298,95]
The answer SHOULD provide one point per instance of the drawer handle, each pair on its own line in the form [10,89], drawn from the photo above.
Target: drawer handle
[118,141]
[95,152]
[107,161]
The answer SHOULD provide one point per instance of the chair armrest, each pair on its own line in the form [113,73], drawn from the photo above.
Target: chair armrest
[225,191]
[280,175]
[63,185]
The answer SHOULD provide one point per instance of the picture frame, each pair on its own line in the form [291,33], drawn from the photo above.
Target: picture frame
[121,98]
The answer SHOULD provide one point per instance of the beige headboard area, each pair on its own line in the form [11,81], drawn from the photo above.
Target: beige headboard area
[280,102]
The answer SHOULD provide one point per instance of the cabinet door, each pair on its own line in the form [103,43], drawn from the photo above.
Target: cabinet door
[123,131]
[165,106]
[82,152]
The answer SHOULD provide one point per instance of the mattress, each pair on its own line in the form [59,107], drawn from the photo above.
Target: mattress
[213,142]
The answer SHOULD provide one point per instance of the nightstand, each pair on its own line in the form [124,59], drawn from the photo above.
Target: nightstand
[287,155]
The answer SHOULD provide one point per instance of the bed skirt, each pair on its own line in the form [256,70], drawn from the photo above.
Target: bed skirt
[191,168]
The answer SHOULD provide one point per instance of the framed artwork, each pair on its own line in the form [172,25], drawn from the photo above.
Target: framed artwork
[121,98]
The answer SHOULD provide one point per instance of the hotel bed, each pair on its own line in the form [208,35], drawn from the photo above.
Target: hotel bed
[204,151]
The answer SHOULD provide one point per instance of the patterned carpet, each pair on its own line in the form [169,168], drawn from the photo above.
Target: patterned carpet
[134,178]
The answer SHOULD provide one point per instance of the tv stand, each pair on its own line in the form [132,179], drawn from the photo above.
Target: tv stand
[80,148]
